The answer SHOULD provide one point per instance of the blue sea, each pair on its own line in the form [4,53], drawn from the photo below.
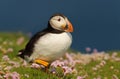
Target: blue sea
[96,22]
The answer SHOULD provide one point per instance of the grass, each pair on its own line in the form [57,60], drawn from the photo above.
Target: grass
[91,66]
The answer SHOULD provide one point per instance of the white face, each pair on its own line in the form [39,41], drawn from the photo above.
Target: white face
[57,22]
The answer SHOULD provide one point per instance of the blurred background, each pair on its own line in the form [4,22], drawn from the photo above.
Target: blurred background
[96,22]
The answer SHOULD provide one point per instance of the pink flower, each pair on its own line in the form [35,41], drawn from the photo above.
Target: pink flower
[79,77]
[57,63]
[67,70]
[5,58]
[102,63]
[10,50]
[6,76]
[71,61]
[20,40]
[36,66]
[24,63]
[95,68]
[88,49]
[8,68]
[15,64]
[95,50]
[13,75]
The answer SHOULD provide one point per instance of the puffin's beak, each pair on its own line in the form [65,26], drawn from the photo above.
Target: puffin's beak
[68,27]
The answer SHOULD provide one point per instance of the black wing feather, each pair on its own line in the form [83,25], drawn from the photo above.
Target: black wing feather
[30,46]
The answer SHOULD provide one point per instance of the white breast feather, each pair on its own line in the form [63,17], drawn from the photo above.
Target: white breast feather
[51,46]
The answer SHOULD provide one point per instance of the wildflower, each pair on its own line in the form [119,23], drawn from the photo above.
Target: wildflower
[95,50]
[79,77]
[20,40]
[111,67]
[102,63]
[10,50]
[94,68]
[8,68]
[114,54]
[117,59]
[13,75]
[26,75]
[98,66]
[24,63]
[15,64]
[67,70]
[70,59]
[87,49]
[107,56]
[5,58]
[34,65]
[57,63]
[6,76]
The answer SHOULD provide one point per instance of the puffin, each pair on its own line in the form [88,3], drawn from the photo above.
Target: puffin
[49,44]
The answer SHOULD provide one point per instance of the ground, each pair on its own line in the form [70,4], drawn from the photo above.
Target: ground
[74,65]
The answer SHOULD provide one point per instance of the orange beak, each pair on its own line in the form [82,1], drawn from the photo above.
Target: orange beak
[70,27]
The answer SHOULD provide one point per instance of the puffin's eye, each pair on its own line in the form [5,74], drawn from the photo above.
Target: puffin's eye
[59,19]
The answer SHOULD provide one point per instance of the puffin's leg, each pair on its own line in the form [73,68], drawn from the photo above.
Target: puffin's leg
[44,63]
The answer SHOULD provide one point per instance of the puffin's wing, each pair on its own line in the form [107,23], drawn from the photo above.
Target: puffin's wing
[30,45]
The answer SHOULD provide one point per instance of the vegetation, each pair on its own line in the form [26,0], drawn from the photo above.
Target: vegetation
[97,65]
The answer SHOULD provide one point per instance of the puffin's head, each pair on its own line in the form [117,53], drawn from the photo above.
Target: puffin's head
[60,22]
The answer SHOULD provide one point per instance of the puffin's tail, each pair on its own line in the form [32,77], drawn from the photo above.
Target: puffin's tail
[20,53]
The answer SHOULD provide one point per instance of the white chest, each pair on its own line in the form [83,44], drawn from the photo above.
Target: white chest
[51,46]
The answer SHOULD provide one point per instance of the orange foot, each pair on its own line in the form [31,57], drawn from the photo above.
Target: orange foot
[39,61]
